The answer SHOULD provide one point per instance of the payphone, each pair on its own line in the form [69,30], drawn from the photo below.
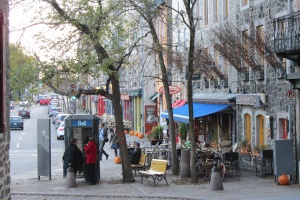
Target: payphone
[81,127]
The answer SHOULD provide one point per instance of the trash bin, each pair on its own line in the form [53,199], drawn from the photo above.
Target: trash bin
[185,171]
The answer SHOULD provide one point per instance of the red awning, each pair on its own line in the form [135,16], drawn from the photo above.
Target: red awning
[181,103]
[176,103]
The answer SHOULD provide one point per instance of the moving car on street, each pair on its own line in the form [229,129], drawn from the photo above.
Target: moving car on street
[24,113]
[44,100]
[16,122]
[24,103]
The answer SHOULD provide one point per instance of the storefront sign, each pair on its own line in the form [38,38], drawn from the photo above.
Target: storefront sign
[249,99]
[173,89]
[82,123]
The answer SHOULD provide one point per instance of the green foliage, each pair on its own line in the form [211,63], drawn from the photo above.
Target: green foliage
[183,130]
[23,69]
[156,132]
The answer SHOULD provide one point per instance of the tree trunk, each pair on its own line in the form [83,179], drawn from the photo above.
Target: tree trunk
[118,112]
[190,90]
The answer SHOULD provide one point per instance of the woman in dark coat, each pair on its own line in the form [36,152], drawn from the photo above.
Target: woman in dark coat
[136,154]
[91,152]
[74,156]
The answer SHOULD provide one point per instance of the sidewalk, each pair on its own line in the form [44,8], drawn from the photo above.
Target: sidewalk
[111,186]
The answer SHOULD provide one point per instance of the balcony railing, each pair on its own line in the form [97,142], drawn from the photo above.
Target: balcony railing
[287,36]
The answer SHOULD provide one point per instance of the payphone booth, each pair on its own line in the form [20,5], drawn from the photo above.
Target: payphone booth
[81,127]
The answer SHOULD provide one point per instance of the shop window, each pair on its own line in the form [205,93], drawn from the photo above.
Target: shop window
[247,127]
[205,12]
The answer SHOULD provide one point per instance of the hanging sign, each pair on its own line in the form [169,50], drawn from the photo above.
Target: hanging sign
[173,89]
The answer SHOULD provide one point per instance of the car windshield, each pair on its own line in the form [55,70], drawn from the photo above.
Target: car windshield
[63,117]
[15,119]
[23,109]
[55,109]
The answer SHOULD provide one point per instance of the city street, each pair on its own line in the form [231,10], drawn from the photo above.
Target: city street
[23,144]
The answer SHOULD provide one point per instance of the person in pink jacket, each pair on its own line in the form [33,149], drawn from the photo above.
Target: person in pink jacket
[91,152]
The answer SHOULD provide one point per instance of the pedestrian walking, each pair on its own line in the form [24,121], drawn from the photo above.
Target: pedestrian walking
[90,150]
[114,141]
[74,156]
[103,138]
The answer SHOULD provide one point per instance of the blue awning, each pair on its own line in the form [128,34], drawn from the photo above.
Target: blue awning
[181,114]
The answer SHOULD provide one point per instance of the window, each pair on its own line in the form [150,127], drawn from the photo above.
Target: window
[247,127]
[216,56]
[225,9]
[205,12]
[244,2]
[225,66]
[245,44]
[260,125]
[260,33]
[215,10]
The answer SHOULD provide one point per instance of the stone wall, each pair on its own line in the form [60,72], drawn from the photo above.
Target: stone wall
[4,142]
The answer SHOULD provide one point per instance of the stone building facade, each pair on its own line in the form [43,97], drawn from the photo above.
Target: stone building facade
[266,117]
[4,102]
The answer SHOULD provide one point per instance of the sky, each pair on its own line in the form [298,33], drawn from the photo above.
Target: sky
[20,16]
[18,19]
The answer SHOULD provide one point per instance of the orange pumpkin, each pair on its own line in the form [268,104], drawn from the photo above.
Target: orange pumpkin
[131,132]
[140,135]
[118,160]
[136,133]
[283,180]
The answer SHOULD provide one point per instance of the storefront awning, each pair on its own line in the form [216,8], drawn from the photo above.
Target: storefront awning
[181,114]
[181,103]
[176,103]
[154,97]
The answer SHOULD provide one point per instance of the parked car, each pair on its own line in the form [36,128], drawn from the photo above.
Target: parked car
[44,100]
[12,105]
[59,119]
[54,96]
[24,103]
[54,101]
[53,118]
[51,106]
[24,113]
[16,122]
[54,110]
[61,131]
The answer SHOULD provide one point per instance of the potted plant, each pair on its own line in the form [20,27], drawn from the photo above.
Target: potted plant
[155,135]
[182,130]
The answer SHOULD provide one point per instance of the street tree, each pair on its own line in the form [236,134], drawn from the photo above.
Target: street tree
[87,39]
[24,70]
[151,11]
